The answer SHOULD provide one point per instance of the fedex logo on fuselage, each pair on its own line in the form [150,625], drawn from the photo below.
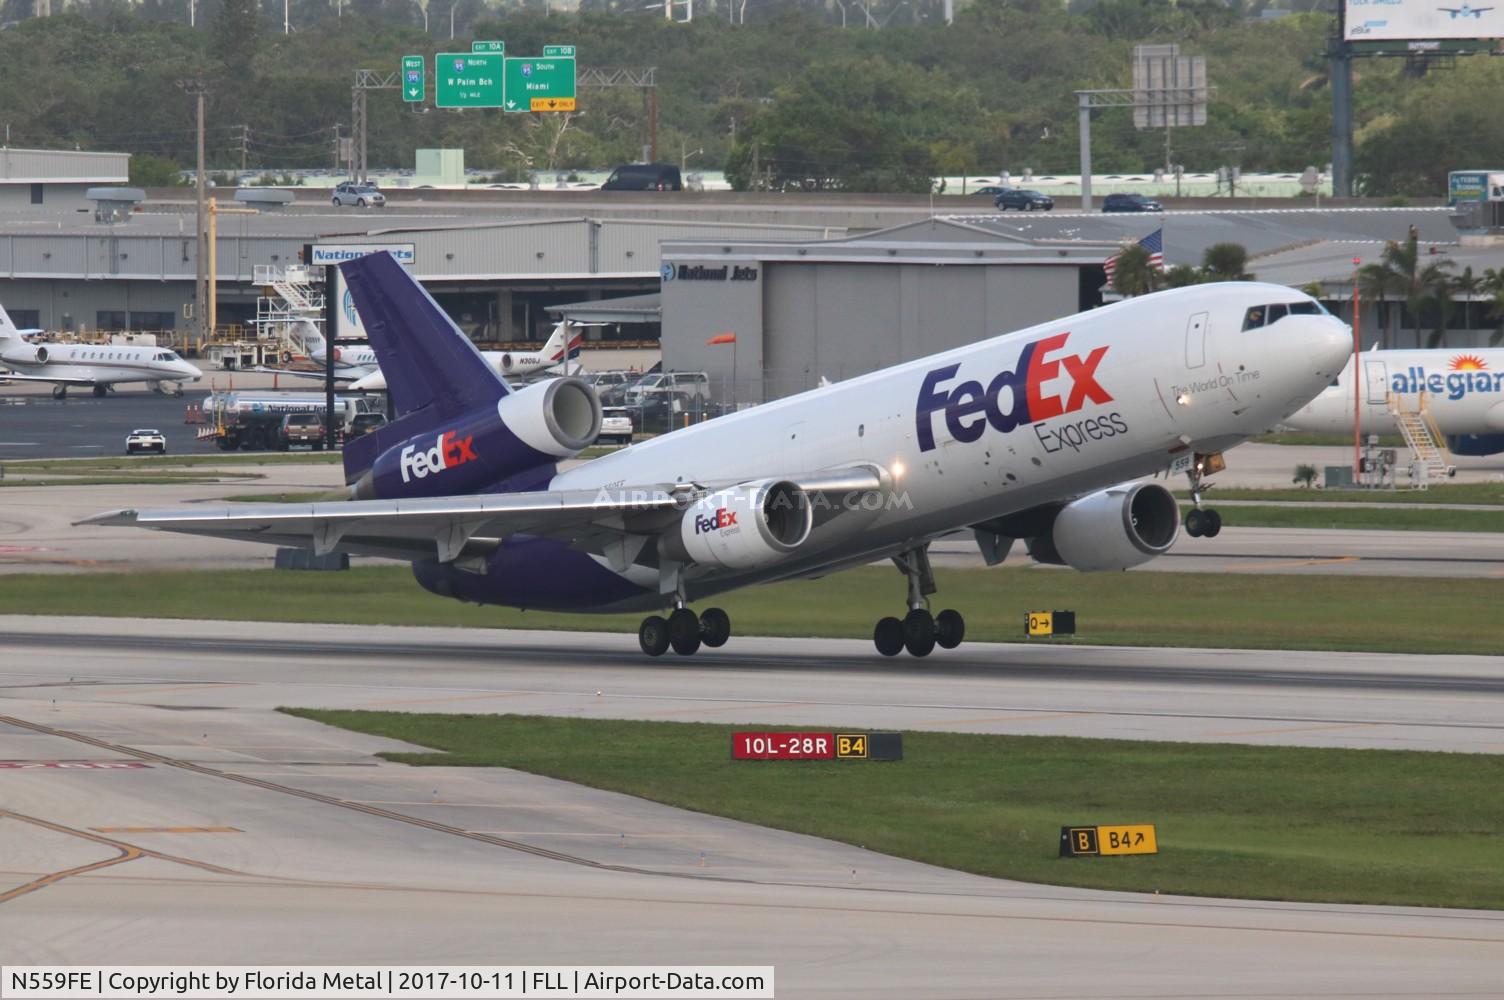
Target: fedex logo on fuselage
[449,450]
[971,407]
[722,518]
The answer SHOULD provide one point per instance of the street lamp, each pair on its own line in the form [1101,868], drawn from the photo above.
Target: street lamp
[452,8]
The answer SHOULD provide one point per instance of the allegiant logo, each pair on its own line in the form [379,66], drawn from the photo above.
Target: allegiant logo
[1454,384]
[722,518]
[449,450]
[970,407]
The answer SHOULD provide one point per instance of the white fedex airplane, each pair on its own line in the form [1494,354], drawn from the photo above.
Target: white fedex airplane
[98,366]
[556,354]
[1036,435]
[1462,389]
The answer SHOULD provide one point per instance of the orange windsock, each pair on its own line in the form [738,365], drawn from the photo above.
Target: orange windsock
[721,338]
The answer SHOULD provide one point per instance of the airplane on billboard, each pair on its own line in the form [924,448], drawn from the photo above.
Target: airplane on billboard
[99,367]
[1463,391]
[556,354]
[1039,435]
[1465,11]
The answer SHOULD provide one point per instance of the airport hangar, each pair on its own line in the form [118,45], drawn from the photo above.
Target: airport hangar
[838,308]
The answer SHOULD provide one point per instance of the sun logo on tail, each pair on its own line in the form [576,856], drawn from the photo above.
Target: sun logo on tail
[1468,363]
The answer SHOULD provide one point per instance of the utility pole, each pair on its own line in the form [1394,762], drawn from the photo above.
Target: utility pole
[195,87]
[245,145]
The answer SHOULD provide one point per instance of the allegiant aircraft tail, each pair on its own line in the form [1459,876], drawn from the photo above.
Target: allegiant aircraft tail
[433,372]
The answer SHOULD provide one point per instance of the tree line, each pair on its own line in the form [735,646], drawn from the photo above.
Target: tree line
[776,92]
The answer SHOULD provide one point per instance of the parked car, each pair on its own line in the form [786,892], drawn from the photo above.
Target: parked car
[358,193]
[616,425]
[692,385]
[608,380]
[364,423]
[146,440]
[1023,199]
[301,428]
[1130,203]
[644,177]
[991,189]
[616,395]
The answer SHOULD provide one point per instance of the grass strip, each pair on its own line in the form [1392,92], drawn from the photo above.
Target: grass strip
[309,496]
[69,466]
[96,480]
[1322,439]
[1482,494]
[1240,611]
[1361,518]
[1289,823]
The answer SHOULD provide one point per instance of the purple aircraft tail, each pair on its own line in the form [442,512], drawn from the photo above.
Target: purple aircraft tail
[433,371]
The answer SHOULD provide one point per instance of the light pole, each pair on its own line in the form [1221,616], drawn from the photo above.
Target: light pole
[452,8]
[1357,374]
[195,88]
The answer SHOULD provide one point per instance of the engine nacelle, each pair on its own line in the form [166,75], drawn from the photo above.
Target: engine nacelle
[744,526]
[1116,528]
[535,426]
[507,364]
[25,354]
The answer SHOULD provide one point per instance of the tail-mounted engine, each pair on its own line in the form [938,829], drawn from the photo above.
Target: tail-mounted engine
[535,426]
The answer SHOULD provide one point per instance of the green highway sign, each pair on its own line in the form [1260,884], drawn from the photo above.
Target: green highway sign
[497,47]
[413,84]
[559,51]
[545,84]
[468,80]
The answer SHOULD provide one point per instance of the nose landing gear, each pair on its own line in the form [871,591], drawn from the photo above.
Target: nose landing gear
[919,632]
[1202,523]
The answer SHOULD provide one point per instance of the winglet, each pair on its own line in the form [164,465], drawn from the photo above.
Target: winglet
[110,518]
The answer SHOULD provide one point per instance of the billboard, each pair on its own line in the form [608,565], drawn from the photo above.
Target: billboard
[1386,20]
[348,325]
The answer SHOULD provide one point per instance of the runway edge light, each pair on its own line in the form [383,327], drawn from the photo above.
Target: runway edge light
[1108,841]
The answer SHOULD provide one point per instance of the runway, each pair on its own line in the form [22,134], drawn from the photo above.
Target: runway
[238,834]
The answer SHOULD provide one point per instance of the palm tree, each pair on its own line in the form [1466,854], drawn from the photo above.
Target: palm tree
[1468,285]
[1182,275]
[1134,274]
[1400,271]
[1493,286]
[1225,262]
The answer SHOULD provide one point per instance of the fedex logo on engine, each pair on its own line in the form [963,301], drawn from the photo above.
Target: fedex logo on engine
[449,450]
[970,407]
[722,518]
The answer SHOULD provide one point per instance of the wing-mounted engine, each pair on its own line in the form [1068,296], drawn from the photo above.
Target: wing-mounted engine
[743,526]
[1115,528]
[535,426]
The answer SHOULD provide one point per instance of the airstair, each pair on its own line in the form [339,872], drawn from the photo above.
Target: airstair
[297,298]
[1422,437]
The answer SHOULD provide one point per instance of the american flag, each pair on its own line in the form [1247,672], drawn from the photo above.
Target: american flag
[1154,243]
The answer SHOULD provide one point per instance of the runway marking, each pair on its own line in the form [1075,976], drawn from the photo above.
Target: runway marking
[436,701]
[999,718]
[1296,564]
[126,854]
[739,707]
[107,686]
[165,829]
[476,805]
[1299,729]
[73,765]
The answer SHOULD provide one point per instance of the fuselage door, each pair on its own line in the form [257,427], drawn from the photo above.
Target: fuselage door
[1195,341]
[1377,376]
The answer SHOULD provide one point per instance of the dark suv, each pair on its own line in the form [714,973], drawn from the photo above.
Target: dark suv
[1130,203]
[1023,200]
[644,177]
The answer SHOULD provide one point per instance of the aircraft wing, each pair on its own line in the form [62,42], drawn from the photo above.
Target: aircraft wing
[304,373]
[57,379]
[446,528]
[603,521]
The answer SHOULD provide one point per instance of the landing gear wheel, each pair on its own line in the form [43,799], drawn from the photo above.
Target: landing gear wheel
[919,632]
[684,632]
[1195,523]
[652,635]
[715,627]
[888,636]
[1212,526]
[60,392]
[99,391]
[950,629]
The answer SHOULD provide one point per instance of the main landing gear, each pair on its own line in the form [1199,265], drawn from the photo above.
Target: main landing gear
[1200,523]
[684,631]
[918,631]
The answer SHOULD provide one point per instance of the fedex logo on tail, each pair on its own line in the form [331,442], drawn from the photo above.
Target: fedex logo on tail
[722,518]
[449,450]
[971,407]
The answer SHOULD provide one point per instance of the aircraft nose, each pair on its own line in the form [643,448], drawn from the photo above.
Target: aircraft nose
[1330,343]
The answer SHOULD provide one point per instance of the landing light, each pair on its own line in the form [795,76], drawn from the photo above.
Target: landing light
[898,470]
[1183,399]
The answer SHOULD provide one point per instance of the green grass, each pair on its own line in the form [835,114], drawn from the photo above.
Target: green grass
[308,496]
[1340,826]
[1483,494]
[96,480]
[1392,518]
[80,466]
[1265,611]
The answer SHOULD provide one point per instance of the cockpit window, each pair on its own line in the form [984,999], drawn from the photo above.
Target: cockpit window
[1258,316]
[1253,318]
[1277,312]
[1307,308]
